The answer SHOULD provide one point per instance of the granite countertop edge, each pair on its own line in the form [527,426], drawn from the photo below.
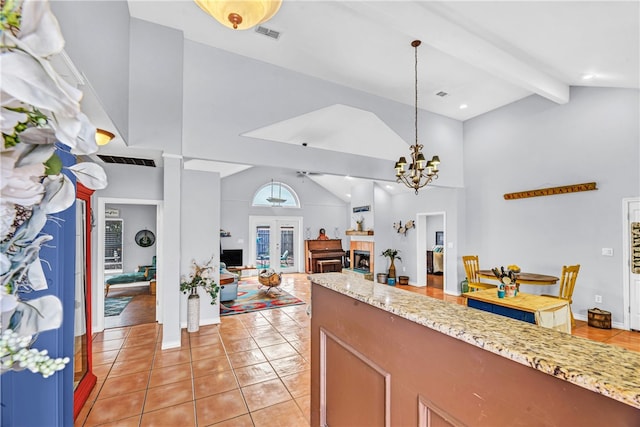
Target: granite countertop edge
[561,355]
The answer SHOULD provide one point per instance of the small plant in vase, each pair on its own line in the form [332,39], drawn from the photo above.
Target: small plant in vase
[359,223]
[392,254]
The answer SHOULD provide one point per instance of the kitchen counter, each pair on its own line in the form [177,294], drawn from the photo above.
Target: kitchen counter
[604,369]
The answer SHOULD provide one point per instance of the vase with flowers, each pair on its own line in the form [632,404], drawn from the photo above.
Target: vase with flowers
[508,285]
[41,119]
[392,254]
[200,276]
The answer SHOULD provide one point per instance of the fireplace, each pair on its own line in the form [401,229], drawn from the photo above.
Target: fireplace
[361,256]
[361,261]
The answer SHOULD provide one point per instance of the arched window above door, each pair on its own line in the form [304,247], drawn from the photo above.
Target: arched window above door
[276,194]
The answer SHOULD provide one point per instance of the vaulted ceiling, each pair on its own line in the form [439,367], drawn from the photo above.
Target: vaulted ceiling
[480,55]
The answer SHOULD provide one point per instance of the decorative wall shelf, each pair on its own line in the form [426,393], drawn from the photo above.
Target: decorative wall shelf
[358,233]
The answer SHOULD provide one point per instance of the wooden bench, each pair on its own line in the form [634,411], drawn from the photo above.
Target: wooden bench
[330,265]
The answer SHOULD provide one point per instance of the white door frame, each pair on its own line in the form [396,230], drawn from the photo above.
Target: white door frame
[421,247]
[98,297]
[298,250]
[626,260]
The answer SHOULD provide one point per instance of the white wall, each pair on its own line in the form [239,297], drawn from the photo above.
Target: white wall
[156,87]
[136,218]
[430,200]
[200,235]
[535,143]
[434,223]
[385,236]
[319,208]
[97,39]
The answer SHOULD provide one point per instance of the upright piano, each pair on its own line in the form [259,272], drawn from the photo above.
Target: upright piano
[320,250]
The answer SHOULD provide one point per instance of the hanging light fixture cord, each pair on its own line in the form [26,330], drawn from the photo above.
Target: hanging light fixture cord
[415,45]
[419,168]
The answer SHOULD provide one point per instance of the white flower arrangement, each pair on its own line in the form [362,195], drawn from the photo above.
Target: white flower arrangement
[39,110]
[201,276]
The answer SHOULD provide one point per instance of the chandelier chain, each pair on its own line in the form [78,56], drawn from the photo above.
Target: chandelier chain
[416,91]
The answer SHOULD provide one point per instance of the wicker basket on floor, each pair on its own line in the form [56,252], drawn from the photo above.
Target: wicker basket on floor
[269,278]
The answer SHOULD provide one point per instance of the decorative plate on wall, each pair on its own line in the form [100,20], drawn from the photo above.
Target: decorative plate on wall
[145,238]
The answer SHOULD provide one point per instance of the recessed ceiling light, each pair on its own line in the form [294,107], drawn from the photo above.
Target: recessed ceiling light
[348,195]
[463,106]
[389,186]
[588,77]
[348,177]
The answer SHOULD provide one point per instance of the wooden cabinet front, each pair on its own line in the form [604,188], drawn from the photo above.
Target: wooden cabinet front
[374,368]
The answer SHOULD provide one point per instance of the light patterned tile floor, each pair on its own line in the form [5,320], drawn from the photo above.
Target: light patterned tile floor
[251,370]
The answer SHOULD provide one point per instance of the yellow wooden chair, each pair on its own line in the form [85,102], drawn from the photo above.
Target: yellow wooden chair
[567,284]
[471,267]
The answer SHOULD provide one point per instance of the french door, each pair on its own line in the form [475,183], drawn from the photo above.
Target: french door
[276,243]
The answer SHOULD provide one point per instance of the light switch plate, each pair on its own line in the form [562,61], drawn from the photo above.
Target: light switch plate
[607,251]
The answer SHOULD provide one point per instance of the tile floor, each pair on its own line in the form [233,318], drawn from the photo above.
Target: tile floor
[251,370]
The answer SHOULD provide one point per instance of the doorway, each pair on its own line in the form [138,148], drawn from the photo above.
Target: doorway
[631,257]
[431,245]
[154,305]
[276,243]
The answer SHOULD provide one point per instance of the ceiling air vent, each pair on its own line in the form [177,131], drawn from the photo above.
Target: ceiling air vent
[267,32]
[127,160]
[442,94]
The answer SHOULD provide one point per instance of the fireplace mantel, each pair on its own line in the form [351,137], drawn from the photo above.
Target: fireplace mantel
[359,233]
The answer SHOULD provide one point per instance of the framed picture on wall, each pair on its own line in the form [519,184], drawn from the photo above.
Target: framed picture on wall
[440,238]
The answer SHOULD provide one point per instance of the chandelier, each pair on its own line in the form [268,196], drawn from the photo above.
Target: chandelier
[276,201]
[421,172]
[240,14]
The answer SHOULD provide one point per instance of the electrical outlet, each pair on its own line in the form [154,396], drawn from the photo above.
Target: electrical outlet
[599,298]
[607,251]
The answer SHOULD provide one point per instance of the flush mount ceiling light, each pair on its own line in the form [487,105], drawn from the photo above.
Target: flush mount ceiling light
[103,137]
[420,172]
[240,14]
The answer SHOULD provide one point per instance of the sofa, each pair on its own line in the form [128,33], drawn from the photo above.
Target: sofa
[228,291]
[144,273]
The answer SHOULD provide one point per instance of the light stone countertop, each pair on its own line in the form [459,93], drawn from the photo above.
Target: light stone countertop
[602,368]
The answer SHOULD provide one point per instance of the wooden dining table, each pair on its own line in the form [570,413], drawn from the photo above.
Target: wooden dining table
[524,278]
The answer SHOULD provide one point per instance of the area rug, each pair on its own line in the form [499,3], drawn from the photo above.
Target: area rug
[114,306]
[251,298]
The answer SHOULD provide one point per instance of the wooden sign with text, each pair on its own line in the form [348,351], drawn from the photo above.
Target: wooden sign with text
[587,186]
[635,247]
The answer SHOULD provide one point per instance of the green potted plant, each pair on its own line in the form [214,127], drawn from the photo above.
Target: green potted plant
[392,254]
[199,277]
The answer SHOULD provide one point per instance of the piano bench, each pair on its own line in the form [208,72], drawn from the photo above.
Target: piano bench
[330,265]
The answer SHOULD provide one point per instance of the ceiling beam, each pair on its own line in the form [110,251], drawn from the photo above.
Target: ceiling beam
[454,40]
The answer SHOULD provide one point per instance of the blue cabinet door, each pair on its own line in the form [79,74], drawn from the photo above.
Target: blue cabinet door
[502,311]
[28,399]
